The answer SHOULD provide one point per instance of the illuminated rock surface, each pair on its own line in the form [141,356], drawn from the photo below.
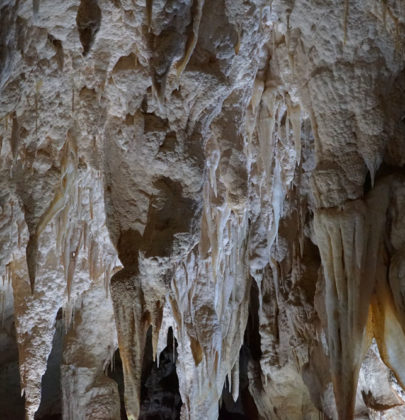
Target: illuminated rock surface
[202,209]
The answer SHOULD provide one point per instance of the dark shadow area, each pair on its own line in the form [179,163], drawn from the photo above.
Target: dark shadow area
[244,408]
[160,397]
[11,402]
[88,21]
[116,372]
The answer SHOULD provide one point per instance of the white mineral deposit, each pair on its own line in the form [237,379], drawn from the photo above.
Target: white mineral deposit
[202,209]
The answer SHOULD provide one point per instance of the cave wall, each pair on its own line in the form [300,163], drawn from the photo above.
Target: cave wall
[225,173]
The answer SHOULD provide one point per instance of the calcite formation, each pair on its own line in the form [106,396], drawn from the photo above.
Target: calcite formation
[202,209]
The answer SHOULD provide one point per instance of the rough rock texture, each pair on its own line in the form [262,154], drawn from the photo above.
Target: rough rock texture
[215,188]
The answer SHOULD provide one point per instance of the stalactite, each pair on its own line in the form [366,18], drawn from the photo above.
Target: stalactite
[59,202]
[234,168]
[349,241]
[193,38]
[132,325]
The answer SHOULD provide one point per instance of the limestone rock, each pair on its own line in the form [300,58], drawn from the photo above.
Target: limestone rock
[202,209]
